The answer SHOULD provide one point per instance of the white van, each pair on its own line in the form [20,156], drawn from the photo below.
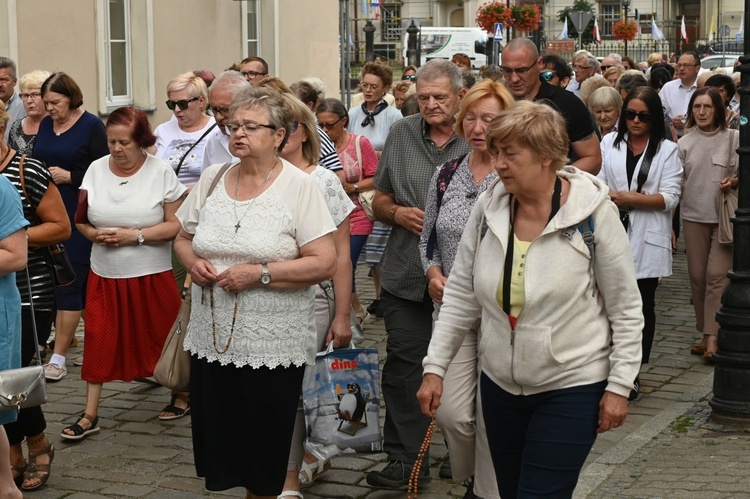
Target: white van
[443,43]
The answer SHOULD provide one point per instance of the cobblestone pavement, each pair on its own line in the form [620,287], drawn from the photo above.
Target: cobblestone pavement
[667,448]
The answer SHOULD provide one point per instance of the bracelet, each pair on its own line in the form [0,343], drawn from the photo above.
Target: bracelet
[393,211]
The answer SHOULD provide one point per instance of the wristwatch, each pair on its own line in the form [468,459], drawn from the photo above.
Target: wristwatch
[265,276]
[356,187]
[141,239]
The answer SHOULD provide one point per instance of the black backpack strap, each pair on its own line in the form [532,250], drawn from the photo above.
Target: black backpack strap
[443,180]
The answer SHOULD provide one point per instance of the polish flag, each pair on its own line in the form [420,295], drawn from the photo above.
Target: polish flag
[597,37]
[683,31]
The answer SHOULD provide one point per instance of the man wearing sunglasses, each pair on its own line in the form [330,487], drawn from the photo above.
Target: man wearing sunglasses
[221,94]
[556,71]
[675,95]
[521,68]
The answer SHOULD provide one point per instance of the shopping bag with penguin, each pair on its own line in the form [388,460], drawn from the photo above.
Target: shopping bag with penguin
[341,398]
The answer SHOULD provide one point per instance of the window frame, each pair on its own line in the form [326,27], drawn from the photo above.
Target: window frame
[390,22]
[127,98]
[609,18]
[246,40]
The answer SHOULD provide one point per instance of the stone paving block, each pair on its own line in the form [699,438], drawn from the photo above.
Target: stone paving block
[138,416]
[341,476]
[127,490]
[103,449]
[173,494]
[77,484]
[149,428]
[179,431]
[150,453]
[195,485]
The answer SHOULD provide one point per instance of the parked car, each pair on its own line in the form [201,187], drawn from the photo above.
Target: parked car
[722,48]
[718,61]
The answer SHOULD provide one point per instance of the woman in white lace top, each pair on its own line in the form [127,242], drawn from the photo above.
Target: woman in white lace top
[254,249]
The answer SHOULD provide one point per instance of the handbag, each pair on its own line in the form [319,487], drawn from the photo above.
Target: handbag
[726,206]
[24,387]
[173,367]
[54,255]
[366,198]
[358,335]
[341,400]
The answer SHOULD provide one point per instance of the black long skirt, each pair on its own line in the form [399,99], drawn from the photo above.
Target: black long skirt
[242,424]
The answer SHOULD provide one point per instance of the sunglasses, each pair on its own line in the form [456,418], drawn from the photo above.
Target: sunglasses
[630,115]
[548,75]
[182,104]
[328,126]
[219,110]
[604,68]
[409,77]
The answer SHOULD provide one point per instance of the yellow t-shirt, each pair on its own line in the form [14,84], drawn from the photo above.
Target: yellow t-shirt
[517,288]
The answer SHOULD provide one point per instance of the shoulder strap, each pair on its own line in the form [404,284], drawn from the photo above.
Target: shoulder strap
[179,165]
[23,188]
[218,176]
[443,179]
[359,156]
[586,228]
[645,168]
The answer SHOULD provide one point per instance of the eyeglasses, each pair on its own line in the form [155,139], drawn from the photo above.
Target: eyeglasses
[33,95]
[328,126]
[219,110]
[604,68]
[630,115]
[369,86]
[548,75]
[295,126]
[519,71]
[182,104]
[409,77]
[679,66]
[579,68]
[251,74]
[247,127]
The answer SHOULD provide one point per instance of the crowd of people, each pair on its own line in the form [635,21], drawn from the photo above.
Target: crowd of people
[516,229]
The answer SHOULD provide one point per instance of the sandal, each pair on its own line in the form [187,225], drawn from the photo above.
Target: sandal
[699,348]
[309,472]
[177,412]
[39,471]
[21,470]
[290,493]
[78,432]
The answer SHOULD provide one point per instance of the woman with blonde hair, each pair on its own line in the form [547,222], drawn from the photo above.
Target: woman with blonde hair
[453,191]
[23,132]
[302,150]
[401,91]
[181,140]
[560,301]
[613,74]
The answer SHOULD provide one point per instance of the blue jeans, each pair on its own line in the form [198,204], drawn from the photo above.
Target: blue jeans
[540,442]
[356,243]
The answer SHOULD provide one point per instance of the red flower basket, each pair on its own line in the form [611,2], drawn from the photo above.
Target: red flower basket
[525,17]
[625,30]
[493,12]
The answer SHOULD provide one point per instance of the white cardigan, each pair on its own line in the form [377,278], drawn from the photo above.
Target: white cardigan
[650,231]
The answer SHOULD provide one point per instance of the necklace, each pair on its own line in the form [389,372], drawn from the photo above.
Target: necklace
[213,321]
[5,156]
[236,191]
[63,127]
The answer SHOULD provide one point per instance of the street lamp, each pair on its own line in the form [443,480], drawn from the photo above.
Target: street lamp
[626,8]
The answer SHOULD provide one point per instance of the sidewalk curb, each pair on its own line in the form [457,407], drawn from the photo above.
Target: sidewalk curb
[599,470]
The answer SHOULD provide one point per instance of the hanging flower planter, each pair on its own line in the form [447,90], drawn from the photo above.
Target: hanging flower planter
[525,17]
[625,30]
[493,12]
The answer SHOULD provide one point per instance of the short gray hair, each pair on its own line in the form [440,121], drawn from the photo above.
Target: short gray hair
[630,79]
[441,68]
[616,57]
[232,81]
[279,113]
[590,59]
[7,62]
[605,97]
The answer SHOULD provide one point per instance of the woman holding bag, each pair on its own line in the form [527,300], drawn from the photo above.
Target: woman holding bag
[709,156]
[360,163]
[44,209]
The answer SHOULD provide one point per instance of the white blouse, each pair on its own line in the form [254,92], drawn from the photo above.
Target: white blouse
[272,327]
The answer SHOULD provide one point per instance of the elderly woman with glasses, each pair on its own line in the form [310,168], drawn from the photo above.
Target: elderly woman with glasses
[23,132]
[182,140]
[255,247]
[644,175]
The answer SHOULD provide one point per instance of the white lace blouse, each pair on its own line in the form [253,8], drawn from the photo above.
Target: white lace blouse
[272,327]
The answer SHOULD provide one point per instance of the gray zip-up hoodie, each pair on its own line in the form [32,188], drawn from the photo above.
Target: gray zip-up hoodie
[575,304]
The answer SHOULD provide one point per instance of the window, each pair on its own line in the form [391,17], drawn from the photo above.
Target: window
[117,52]
[251,27]
[391,22]
[609,15]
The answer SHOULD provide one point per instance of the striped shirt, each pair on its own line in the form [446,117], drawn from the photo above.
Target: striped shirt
[37,179]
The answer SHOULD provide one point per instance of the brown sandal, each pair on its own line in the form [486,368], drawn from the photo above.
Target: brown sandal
[40,472]
[21,470]
[700,348]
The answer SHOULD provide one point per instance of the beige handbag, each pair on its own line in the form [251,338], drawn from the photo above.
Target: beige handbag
[726,205]
[173,367]
[367,197]
[24,387]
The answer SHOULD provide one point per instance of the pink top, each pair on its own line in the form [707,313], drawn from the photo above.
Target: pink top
[359,224]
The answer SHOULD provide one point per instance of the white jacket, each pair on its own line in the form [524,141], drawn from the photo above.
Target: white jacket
[650,231]
[562,337]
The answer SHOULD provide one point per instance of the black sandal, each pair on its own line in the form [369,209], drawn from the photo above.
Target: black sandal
[39,471]
[177,412]
[78,432]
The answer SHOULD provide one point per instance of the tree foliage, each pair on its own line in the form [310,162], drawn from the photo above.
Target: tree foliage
[583,6]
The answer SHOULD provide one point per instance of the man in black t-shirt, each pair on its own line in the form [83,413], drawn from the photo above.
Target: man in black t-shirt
[521,68]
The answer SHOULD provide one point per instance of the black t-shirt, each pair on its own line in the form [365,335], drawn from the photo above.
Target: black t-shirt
[578,121]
